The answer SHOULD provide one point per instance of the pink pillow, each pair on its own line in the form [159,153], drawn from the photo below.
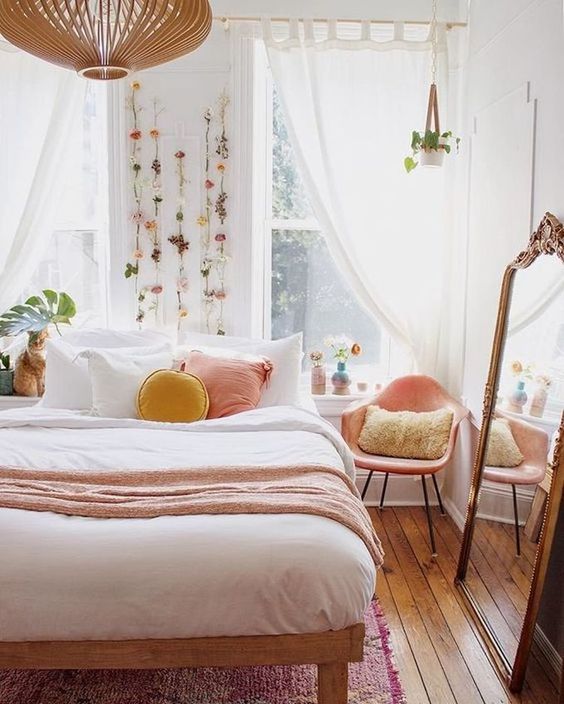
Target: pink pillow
[233,385]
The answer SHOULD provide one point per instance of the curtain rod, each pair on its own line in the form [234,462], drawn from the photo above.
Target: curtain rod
[233,18]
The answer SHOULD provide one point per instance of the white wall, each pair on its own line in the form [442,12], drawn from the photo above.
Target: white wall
[515,57]
[514,48]
[513,85]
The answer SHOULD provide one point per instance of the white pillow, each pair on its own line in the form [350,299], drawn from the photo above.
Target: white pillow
[285,354]
[116,376]
[67,384]
[67,381]
[182,351]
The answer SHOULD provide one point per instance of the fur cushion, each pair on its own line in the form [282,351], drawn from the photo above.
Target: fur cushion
[405,434]
[502,450]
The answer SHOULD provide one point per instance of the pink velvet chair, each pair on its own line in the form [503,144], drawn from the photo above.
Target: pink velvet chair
[409,393]
[534,444]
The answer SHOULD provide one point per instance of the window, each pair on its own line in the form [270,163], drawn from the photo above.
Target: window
[304,289]
[540,344]
[75,259]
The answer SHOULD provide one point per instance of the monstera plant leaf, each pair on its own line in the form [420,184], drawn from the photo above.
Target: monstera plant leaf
[37,313]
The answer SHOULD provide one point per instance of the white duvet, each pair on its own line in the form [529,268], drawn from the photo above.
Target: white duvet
[73,578]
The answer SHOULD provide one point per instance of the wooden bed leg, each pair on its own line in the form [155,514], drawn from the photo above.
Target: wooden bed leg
[332,683]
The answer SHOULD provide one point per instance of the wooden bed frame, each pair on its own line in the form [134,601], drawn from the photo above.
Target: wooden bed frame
[331,651]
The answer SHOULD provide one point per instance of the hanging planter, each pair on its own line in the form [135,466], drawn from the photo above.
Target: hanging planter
[429,148]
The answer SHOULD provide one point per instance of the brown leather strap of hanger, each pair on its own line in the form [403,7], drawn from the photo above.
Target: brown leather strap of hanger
[433,110]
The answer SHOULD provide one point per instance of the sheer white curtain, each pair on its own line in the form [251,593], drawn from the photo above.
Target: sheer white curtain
[351,107]
[39,105]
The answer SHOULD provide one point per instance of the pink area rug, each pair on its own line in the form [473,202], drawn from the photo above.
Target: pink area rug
[374,681]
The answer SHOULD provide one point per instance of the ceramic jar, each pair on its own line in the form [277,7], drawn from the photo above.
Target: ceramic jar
[318,380]
[538,403]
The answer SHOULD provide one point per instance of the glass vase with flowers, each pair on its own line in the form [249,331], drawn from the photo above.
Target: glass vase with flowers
[517,398]
[343,348]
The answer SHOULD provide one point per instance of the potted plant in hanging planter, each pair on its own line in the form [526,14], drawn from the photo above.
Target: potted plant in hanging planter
[429,148]
[6,375]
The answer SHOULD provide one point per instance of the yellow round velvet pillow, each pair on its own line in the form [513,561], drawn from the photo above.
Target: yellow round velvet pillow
[170,396]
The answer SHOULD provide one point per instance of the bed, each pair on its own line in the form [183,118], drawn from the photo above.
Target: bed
[179,590]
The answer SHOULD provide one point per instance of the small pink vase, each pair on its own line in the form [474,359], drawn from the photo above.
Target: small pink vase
[538,403]
[318,380]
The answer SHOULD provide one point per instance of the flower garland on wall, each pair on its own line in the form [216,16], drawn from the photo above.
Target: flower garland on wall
[138,183]
[145,266]
[151,224]
[135,136]
[213,263]
[177,240]
[205,223]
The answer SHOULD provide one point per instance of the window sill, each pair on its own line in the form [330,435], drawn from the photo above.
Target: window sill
[332,405]
[7,402]
[548,422]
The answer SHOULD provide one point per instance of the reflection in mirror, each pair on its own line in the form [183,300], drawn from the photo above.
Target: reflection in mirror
[516,479]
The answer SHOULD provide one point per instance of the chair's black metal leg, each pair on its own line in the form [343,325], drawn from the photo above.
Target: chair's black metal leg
[365,489]
[517,536]
[429,518]
[384,490]
[438,493]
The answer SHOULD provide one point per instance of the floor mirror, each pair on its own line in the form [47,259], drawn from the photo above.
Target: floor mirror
[516,490]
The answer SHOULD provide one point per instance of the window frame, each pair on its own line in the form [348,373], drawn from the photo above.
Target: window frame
[265,223]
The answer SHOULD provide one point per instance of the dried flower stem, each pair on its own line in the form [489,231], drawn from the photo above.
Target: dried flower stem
[177,240]
[132,269]
[154,234]
[209,301]
[222,150]
[213,263]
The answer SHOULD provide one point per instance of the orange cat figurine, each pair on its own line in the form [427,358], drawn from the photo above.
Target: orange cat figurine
[29,373]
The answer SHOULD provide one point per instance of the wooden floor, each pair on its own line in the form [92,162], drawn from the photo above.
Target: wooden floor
[499,580]
[438,651]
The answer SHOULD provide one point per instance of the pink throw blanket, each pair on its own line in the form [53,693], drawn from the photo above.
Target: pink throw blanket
[314,490]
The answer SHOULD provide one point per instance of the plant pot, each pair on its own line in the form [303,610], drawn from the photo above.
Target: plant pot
[432,157]
[6,382]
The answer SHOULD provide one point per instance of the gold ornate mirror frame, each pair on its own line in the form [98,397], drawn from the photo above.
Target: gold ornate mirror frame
[548,239]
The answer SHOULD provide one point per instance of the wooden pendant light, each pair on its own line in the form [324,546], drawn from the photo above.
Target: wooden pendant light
[106,39]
